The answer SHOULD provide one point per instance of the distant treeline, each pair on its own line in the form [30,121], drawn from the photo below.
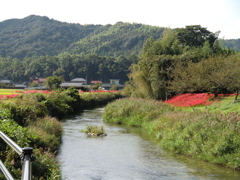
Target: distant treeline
[91,67]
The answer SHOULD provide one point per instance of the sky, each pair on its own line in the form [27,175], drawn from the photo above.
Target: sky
[215,15]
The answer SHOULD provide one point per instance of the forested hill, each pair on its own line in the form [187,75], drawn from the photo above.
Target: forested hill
[41,36]
[36,36]
[233,44]
[115,40]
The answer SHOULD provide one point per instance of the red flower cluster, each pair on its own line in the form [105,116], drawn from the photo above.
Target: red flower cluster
[24,92]
[35,91]
[8,96]
[98,91]
[190,99]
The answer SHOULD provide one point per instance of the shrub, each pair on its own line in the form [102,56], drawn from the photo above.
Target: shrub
[57,105]
[25,107]
[75,102]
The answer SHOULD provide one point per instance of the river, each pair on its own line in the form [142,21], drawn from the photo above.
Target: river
[126,153]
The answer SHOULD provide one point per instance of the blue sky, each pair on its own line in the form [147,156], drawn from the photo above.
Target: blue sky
[215,15]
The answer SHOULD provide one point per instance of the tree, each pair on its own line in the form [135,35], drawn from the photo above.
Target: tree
[149,78]
[232,64]
[185,77]
[218,74]
[96,86]
[195,36]
[53,82]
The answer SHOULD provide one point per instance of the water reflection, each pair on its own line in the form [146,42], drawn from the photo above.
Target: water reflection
[126,153]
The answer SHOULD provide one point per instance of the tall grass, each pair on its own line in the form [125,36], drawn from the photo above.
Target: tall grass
[208,135]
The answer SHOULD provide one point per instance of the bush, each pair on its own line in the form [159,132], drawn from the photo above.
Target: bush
[114,87]
[25,107]
[75,102]
[46,133]
[58,105]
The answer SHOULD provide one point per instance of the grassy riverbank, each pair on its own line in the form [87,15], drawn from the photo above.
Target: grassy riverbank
[32,120]
[209,133]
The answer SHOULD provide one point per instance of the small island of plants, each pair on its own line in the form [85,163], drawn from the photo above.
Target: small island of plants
[94,130]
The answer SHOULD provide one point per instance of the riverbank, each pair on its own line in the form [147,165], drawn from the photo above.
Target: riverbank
[33,120]
[209,133]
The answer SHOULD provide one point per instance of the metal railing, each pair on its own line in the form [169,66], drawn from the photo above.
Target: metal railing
[26,158]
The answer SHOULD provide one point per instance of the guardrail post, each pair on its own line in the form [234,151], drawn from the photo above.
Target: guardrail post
[27,159]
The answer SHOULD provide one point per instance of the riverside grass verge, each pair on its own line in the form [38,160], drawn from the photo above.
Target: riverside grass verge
[203,132]
[32,120]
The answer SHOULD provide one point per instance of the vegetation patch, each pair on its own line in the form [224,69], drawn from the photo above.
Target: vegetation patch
[201,132]
[31,119]
[94,130]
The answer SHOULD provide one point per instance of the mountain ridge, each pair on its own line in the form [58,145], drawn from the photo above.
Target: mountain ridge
[40,36]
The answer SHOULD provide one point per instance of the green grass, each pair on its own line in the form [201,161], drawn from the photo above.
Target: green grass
[10,91]
[209,133]
[223,105]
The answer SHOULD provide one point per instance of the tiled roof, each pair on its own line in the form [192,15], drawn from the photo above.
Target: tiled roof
[69,84]
[5,81]
[41,79]
[78,80]
[19,85]
[93,82]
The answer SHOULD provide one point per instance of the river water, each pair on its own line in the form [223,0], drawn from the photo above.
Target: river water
[126,153]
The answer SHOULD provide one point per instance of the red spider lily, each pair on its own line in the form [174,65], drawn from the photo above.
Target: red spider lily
[8,96]
[193,99]
[12,95]
[38,91]
[24,92]
[190,99]
[98,91]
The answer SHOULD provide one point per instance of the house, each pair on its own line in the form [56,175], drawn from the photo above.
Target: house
[19,86]
[78,83]
[5,81]
[71,84]
[95,82]
[41,80]
[114,81]
[35,79]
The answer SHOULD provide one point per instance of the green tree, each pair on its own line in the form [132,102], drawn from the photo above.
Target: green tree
[232,64]
[34,84]
[149,78]
[53,82]
[96,86]
[195,36]
[218,74]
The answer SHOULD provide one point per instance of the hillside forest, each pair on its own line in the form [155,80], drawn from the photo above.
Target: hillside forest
[155,62]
